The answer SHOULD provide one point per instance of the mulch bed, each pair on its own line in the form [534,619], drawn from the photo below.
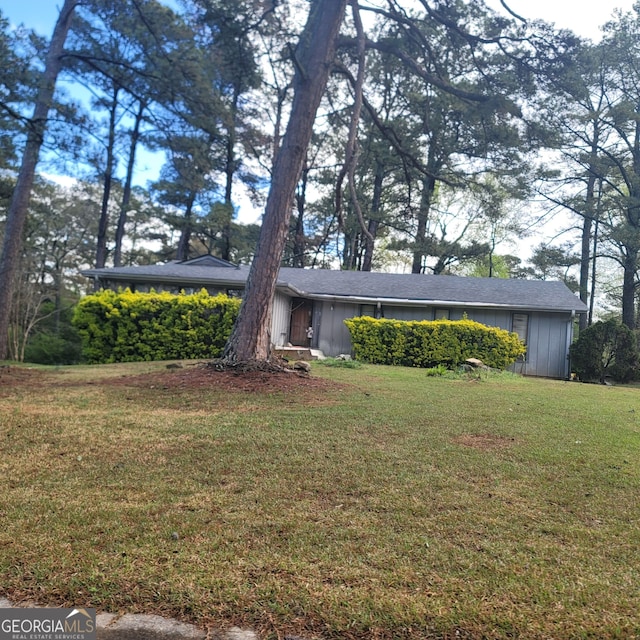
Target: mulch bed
[196,376]
[242,380]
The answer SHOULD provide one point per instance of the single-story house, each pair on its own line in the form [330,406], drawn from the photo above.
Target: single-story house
[311,304]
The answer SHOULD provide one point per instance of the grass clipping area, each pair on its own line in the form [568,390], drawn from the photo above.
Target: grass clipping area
[356,503]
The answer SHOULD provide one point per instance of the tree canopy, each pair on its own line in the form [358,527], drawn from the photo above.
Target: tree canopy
[437,138]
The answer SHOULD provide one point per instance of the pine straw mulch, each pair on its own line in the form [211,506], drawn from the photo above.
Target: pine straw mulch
[255,379]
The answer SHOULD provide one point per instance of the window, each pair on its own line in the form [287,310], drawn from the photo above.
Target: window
[441,314]
[520,325]
[372,310]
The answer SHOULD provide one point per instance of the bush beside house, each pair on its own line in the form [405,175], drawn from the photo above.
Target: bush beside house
[123,326]
[606,349]
[430,343]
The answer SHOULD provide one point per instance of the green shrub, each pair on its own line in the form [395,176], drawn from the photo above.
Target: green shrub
[605,350]
[431,343]
[339,363]
[125,327]
[49,348]
[54,340]
[437,371]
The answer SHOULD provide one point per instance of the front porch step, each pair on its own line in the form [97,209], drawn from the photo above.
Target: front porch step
[299,353]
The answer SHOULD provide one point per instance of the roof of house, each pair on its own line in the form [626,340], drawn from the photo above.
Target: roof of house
[361,286]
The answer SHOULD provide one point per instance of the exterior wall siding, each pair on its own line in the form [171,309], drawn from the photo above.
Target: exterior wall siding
[549,336]
[490,317]
[408,313]
[332,334]
[280,319]
[549,333]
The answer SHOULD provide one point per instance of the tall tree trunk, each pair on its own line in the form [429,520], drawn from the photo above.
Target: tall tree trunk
[250,339]
[585,263]
[594,258]
[374,223]
[299,240]
[126,196]
[420,251]
[103,224]
[182,252]
[17,213]
[230,170]
[629,287]
[591,211]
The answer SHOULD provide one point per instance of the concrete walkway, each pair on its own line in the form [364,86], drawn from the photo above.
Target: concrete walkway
[151,627]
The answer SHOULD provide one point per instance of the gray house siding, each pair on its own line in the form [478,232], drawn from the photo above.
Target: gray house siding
[280,318]
[408,313]
[549,337]
[332,334]
[490,317]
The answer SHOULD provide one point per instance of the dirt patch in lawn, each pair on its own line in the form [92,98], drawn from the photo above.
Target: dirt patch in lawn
[484,441]
[11,377]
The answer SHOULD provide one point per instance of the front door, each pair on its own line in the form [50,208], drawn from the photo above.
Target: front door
[301,317]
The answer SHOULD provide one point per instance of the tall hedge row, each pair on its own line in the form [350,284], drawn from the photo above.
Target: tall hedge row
[430,343]
[124,326]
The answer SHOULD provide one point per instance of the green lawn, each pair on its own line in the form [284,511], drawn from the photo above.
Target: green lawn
[385,505]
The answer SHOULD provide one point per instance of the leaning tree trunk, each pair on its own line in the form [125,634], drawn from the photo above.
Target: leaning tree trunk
[250,339]
[17,213]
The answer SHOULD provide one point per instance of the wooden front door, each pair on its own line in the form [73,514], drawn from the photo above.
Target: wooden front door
[301,317]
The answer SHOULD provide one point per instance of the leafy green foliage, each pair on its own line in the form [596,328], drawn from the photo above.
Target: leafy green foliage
[55,341]
[432,343]
[437,371]
[339,363]
[606,349]
[127,327]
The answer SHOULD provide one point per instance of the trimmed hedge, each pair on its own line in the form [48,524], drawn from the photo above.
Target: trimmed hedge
[429,343]
[122,326]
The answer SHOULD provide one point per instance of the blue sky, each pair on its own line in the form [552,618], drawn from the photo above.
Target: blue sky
[41,16]
[35,14]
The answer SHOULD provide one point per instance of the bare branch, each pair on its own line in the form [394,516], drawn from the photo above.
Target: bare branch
[512,12]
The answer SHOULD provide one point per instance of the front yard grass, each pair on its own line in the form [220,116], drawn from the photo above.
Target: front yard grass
[385,504]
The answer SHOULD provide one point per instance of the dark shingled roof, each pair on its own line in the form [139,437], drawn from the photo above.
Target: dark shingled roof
[361,286]
[530,294]
[174,273]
